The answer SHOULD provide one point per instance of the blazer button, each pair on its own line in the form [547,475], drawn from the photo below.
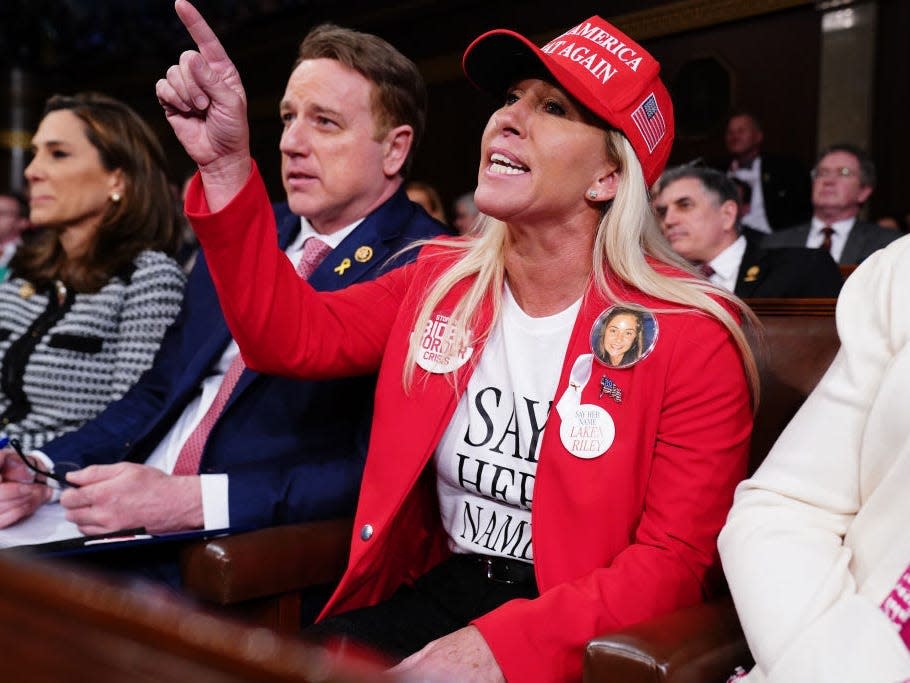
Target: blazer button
[366,532]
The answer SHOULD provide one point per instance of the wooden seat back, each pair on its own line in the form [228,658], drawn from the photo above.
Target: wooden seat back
[61,624]
[794,349]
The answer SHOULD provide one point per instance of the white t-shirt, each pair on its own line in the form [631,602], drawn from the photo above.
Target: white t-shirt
[487,458]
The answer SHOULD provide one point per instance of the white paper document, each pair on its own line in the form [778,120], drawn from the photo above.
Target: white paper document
[46,525]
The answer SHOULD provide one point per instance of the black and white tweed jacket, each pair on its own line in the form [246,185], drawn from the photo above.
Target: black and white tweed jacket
[93,349]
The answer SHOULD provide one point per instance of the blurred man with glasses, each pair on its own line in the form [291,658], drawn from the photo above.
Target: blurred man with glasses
[842,181]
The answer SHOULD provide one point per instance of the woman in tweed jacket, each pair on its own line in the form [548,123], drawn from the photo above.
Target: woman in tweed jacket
[92,289]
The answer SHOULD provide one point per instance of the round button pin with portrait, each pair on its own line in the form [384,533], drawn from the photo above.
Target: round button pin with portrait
[623,335]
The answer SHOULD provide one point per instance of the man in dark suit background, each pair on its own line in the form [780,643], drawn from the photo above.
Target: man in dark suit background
[277,450]
[779,185]
[842,181]
[699,212]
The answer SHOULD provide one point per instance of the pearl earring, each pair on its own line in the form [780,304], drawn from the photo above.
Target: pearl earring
[592,194]
[115,197]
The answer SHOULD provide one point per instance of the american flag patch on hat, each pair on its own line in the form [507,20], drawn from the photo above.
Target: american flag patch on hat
[650,122]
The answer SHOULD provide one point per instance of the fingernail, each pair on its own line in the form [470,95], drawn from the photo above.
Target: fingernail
[201,102]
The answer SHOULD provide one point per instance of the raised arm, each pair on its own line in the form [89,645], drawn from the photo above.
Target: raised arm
[205,104]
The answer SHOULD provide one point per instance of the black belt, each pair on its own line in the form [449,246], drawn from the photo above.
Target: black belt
[503,570]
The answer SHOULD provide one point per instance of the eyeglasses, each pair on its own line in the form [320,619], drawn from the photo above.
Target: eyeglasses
[827,172]
[59,477]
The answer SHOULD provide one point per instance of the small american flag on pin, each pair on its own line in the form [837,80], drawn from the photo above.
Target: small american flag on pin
[650,121]
[608,388]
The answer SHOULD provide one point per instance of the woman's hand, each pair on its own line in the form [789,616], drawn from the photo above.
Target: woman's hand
[20,496]
[205,104]
[460,656]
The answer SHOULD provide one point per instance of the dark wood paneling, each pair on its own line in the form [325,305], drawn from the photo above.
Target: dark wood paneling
[890,132]
[773,65]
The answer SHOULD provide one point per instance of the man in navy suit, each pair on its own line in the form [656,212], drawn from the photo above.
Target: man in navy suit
[842,180]
[279,450]
[699,212]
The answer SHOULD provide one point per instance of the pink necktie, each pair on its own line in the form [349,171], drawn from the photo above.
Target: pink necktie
[706,270]
[314,251]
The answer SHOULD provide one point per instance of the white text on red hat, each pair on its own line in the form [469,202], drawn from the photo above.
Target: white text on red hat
[603,69]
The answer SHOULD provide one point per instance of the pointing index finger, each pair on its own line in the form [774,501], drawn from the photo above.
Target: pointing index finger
[202,34]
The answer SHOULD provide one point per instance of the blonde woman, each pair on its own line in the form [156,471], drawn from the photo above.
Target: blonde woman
[494,534]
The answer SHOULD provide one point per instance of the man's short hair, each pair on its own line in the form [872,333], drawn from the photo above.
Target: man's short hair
[866,165]
[400,96]
[747,114]
[715,183]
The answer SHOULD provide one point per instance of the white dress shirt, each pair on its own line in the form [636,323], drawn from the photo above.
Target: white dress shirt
[756,218]
[838,237]
[726,264]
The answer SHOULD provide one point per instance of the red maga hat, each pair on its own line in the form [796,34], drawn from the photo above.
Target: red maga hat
[601,67]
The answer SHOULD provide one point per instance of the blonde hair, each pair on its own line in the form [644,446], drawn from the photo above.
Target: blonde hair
[626,236]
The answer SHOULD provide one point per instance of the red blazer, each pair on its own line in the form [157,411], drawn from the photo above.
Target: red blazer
[617,539]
